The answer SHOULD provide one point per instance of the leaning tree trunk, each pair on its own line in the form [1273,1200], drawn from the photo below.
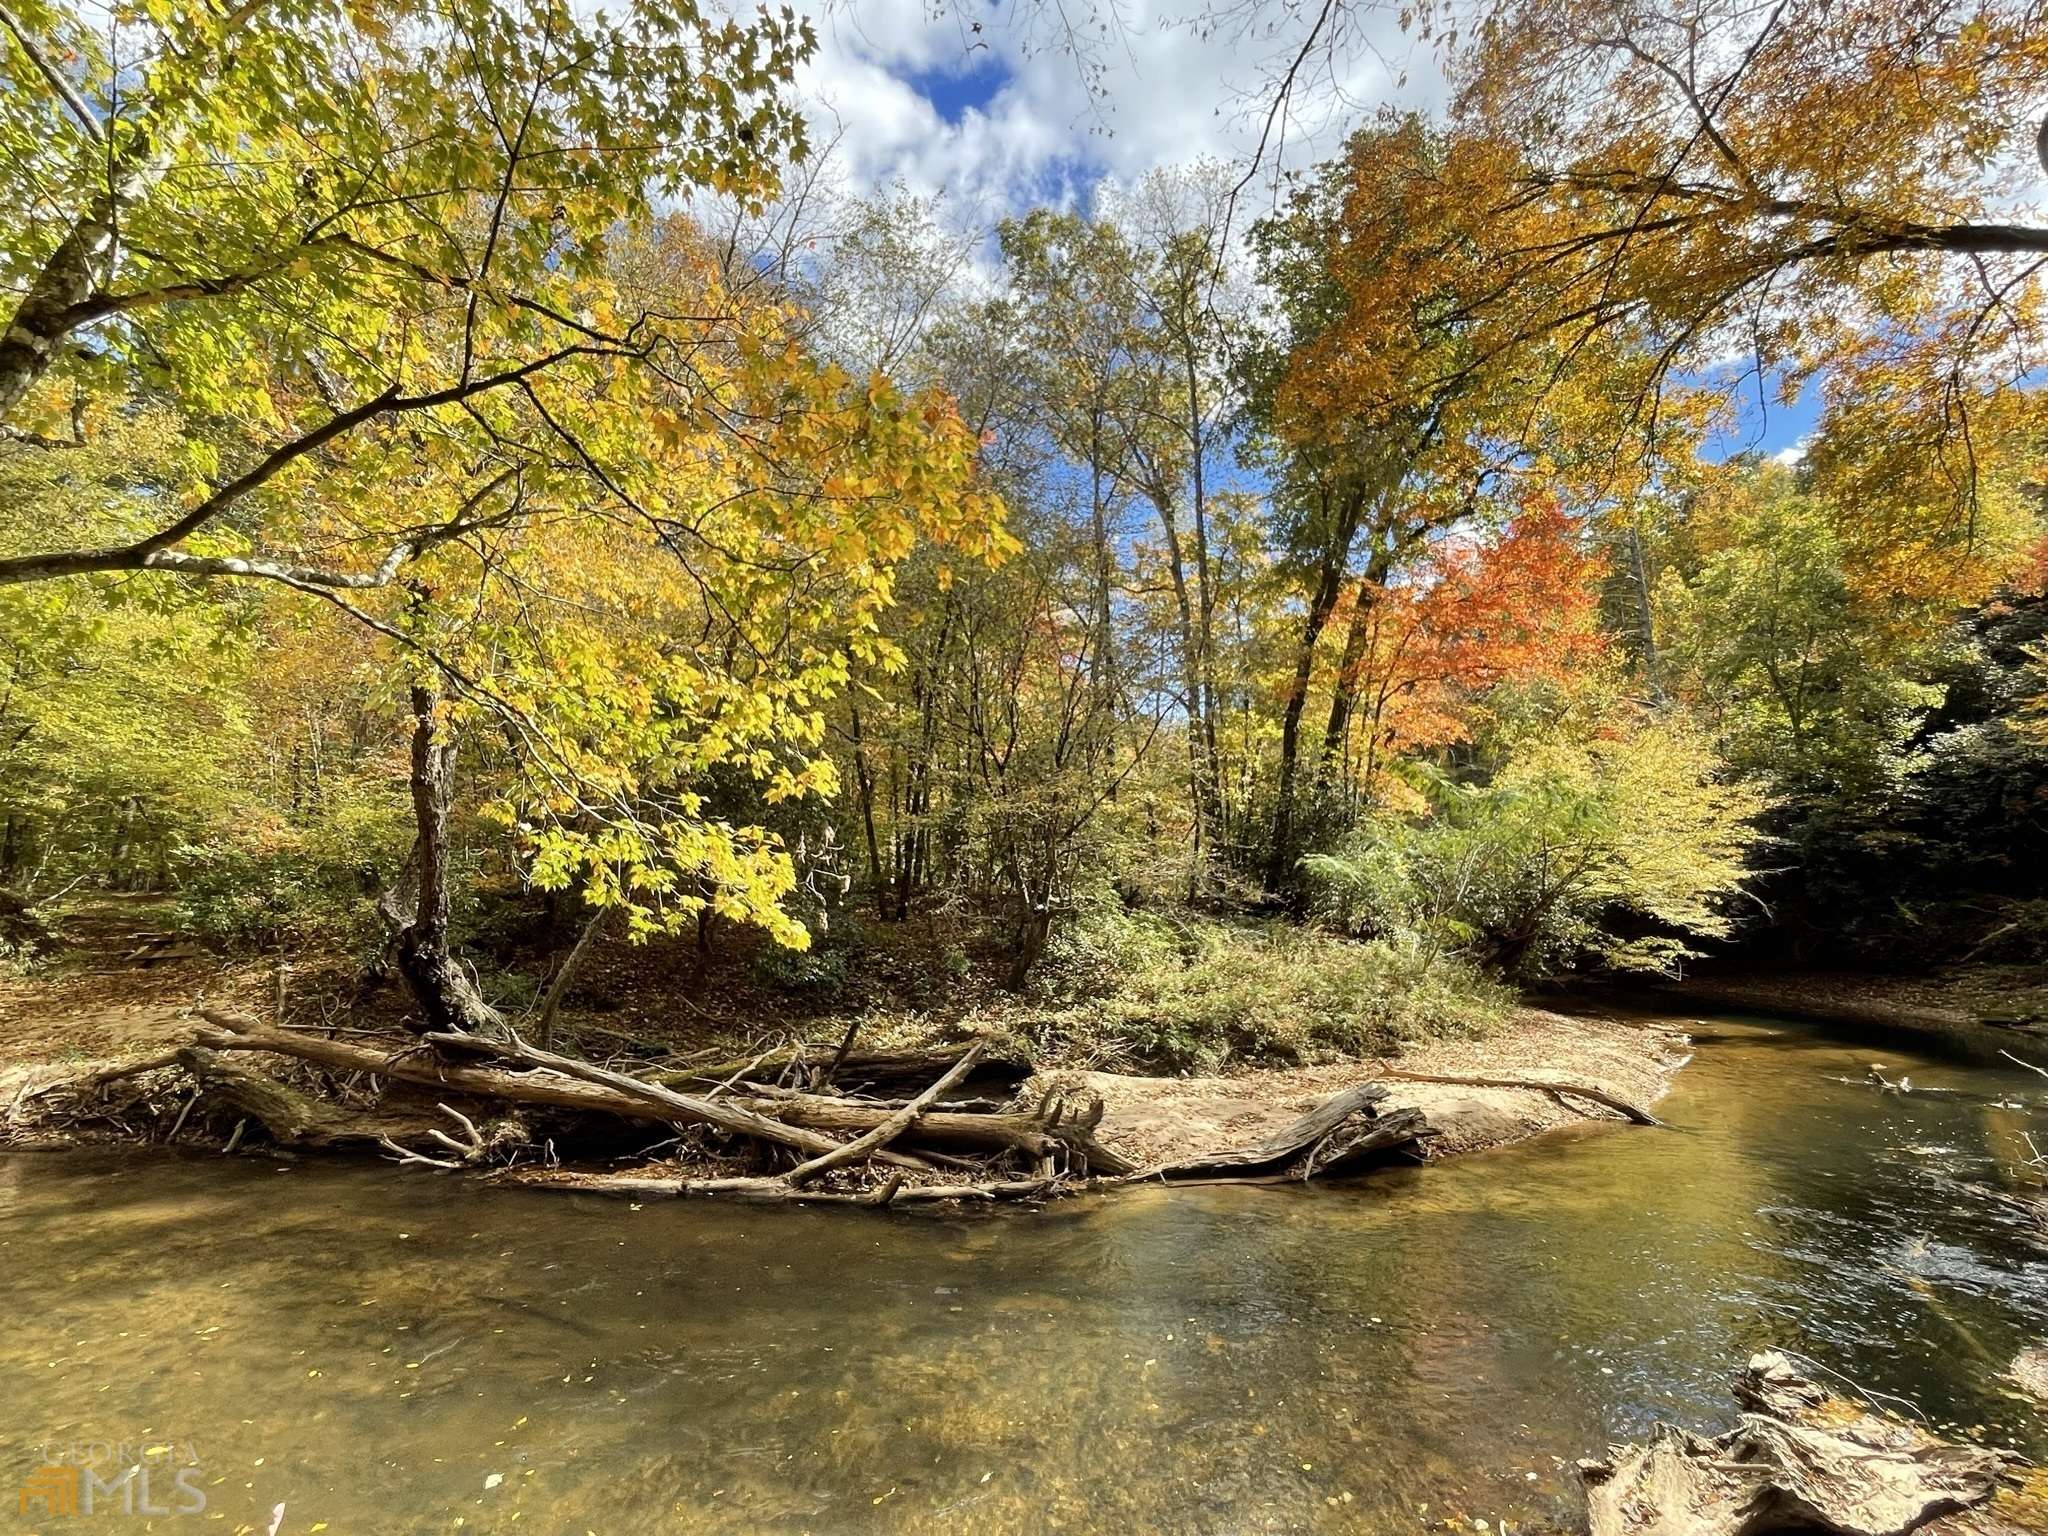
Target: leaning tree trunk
[565,978]
[447,998]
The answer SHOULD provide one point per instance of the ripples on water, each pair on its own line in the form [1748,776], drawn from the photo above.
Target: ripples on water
[390,1352]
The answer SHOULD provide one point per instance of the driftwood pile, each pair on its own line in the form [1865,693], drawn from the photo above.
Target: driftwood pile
[874,1127]
[1802,1458]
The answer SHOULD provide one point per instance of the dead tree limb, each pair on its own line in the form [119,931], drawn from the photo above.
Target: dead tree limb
[889,1129]
[101,1078]
[726,1114]
[565,978]
[645,1187]
[292,1118]
[903,1070]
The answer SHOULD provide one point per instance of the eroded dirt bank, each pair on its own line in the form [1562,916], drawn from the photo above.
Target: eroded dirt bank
[2003,997]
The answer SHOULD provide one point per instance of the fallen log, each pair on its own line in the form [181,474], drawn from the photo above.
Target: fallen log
[1354,1113]
[677,1108]
[641,1186]
[292,1118]
[1024,1133]
[902,1071]
[1557,1090]
[799,1121]
[104,1076]
[1800,1458]
[889,1129]
[547,1090]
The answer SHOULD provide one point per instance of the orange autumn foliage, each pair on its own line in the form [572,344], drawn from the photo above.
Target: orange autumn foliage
[1519,607]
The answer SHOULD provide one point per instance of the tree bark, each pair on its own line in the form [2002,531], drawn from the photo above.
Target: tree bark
[57,299]
[1646,621]
[292,1118]
[880,1071]
[889,1129]
[795,1120]
[1633,1113]
[1034,931]
[447,998]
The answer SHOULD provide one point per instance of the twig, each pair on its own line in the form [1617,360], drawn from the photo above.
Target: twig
[839,1057]
[2023,1062]
[179,1124]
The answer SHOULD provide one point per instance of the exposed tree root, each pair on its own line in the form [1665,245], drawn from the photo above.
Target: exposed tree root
[1340,1133]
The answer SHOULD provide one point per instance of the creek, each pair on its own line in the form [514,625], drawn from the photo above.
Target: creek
[384,1351]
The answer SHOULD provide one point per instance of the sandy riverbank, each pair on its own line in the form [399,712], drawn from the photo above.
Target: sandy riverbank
[1155,1119]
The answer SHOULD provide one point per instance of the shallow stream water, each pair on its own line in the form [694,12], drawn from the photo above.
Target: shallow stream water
[382,1351]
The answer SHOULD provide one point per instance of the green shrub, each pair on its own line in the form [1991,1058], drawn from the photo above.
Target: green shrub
[265,901]
[20,958]
[1619,852]
[1099,943]
[822,968]
[1198,994]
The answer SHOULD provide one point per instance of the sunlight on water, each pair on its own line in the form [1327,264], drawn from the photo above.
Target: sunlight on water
[389,1352]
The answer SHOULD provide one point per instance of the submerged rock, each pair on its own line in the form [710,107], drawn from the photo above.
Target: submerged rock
[2030,1371]
[1800,1459]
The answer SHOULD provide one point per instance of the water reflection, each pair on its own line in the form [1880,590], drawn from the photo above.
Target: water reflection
[393,1353]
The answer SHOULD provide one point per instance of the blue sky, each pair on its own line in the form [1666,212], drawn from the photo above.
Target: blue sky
[1767,426]
[955,91]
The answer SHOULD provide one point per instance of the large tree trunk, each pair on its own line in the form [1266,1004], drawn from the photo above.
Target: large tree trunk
[56,301]
[1034,930]
[447,998]
[1102,671]
[1358,637]
[293,1118]
[1205,591]
[1344,693]
[1339,527]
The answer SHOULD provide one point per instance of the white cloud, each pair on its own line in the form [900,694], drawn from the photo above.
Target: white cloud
[1792,455]
[1165,90]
